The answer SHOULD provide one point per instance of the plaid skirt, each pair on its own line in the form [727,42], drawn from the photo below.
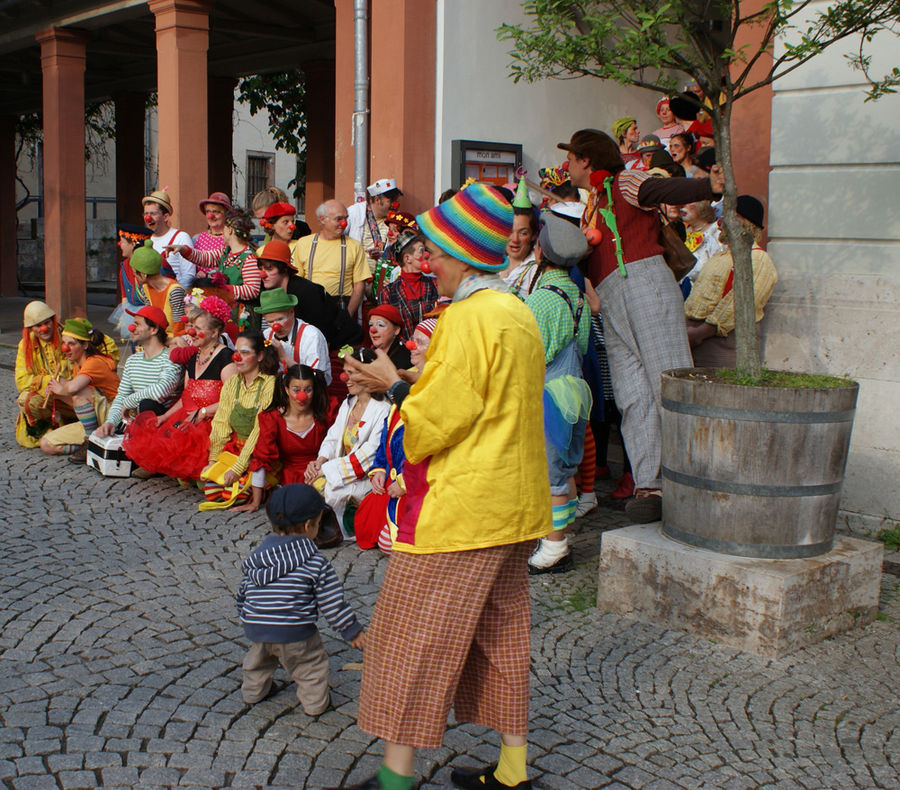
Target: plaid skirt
[450,628]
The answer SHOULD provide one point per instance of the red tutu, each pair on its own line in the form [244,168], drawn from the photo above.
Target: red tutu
[178,447]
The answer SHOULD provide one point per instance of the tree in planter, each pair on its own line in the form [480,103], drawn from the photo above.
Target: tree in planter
[646,44]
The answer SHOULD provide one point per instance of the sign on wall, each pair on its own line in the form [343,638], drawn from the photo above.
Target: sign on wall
[490,162]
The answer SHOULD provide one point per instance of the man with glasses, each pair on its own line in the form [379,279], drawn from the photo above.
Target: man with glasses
[332,259]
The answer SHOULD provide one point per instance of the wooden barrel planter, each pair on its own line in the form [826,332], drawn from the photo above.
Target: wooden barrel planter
[753,471]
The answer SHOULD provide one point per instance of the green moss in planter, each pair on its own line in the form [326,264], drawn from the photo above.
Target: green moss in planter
[782,378]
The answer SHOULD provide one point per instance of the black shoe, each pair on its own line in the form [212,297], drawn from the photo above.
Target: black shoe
[329,534]
[470,779]
[369,784]
[562,565]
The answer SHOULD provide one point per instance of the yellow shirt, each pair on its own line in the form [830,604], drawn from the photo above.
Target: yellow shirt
[708,300]
[475,422]
[235,391]
[326,270]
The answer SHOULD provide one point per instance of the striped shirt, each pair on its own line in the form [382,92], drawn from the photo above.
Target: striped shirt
[156,379]
[257,396]
[287,582]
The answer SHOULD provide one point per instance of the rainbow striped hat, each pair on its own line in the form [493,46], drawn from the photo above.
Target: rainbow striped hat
[473,226]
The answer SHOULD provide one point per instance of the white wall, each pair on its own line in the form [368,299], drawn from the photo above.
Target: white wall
[476,100]
[834,234]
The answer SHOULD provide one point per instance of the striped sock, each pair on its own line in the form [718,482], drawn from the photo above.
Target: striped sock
[87,417]
[573,507]
[560,516]
[68,449]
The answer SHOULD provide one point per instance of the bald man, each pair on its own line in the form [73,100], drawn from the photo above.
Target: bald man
[332,259]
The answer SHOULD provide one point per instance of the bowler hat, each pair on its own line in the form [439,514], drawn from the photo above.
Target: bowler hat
[750,209]
[219,198]
[276,250]
[275,300]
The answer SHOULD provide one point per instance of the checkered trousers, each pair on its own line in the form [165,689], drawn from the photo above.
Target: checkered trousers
[449,628]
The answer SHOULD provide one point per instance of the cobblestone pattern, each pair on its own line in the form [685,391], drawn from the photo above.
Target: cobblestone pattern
[121,660]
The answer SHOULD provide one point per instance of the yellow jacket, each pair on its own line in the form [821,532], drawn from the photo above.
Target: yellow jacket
[476,471]
[46,362]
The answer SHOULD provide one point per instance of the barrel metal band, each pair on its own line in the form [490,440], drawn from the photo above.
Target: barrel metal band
[766,551]
[749,489]
[722,413]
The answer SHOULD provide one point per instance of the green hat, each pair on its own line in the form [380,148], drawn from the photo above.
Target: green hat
[145,259]
[79,328]
[521,200]
[622,125]
[275,300]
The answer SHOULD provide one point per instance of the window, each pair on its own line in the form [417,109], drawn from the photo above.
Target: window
[260,172]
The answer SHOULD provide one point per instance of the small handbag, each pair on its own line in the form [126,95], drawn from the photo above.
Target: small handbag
[218,495]
[678,257]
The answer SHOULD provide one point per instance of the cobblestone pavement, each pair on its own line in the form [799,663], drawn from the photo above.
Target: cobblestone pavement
[121,666]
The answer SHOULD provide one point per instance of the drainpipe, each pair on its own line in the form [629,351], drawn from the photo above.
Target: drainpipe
[360,137]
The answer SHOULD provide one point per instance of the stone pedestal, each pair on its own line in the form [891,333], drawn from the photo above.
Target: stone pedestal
[768,607]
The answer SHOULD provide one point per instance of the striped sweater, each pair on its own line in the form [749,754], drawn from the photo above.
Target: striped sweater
[157,378]
[286,583]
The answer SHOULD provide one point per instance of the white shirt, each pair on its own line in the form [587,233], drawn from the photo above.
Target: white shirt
[311,349]
[184,270]
[356,220]
[708,247]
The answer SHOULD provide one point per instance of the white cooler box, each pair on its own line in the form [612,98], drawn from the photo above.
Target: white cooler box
[105,454]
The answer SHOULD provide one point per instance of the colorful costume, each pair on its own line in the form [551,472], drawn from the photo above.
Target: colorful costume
[281,452]
[235,428]
[350,450]
[36,363]
[179,447]
[378,515]
[414,295]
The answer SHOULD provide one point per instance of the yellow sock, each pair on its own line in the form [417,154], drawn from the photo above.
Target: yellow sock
[511,767]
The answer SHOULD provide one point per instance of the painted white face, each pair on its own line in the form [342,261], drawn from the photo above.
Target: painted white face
[417,354]
[382,332]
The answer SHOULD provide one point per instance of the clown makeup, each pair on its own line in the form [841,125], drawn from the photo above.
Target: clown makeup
[296,390]
[215,216]
[73,349]
[413,257]
[417,354]
[521,240]
[154,217]
[249,359]
[44,330]
[126,246]
[283,228]
[281,321]
[382,332]
[665,114]
[271,276]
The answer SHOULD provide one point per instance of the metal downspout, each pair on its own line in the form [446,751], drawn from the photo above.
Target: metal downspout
[360,138]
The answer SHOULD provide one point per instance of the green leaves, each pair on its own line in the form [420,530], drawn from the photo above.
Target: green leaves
[283,96]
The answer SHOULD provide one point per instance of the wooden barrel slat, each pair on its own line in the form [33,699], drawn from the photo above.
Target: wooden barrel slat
[742,476]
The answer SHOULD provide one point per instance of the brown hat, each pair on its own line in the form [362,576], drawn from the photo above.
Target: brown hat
[597,146]
[161,198]
[276,250]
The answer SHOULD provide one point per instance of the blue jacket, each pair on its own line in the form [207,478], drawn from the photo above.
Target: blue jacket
[286,583]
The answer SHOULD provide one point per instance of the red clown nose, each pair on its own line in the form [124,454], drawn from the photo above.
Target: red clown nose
[411,345]
[345,377]
[302,397]
[192,332]
[395,205]
[342,224]
[236,357]
[148,218]
[184,319]
[425,267]
[292,227]
[132,327]
[593,236]
[277,327]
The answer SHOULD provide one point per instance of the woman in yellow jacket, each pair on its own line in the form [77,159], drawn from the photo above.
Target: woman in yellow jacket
[452,621]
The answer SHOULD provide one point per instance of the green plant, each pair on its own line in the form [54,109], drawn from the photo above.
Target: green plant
[781,378]
[648,44]
[890,538]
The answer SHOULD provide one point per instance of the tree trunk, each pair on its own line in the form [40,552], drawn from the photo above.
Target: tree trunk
[740,242]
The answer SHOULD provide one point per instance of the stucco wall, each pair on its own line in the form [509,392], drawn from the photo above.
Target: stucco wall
[476,100]
[834,235]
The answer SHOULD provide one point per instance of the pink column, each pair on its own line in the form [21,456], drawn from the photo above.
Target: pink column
[343,103]
[65,220]
[182,40]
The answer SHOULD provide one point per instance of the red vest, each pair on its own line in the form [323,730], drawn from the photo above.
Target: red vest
[639,230]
